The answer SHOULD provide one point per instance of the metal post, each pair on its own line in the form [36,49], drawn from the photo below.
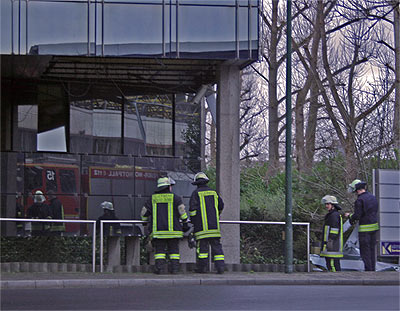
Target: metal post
[19,27]
[94,248]
[26,27]
[237,29]
[101,246]
[288,176]
[249,27]
[163,28]
[12,26]
[308,247]
[88,28]
[102,28]
[177,28]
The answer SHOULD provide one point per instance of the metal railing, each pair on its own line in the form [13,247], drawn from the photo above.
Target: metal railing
[251,222]
[102,239]
[239,222]
[93,222]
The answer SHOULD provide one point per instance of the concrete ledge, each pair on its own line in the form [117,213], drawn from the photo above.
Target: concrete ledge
[19,284]
[49,284]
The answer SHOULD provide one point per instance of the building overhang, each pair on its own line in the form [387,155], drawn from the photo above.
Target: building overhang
[115,76]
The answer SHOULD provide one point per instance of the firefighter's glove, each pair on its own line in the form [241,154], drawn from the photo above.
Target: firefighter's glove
[191,241]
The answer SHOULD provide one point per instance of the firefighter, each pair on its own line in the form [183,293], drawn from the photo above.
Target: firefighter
[57,212]
[109,229]
[366,213]
[39,210]
[205,208]
[168,219]
[332,242]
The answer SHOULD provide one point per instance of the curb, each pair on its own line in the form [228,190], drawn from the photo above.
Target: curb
[97,283]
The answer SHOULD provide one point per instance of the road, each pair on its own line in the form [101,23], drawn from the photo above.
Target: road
[204,297]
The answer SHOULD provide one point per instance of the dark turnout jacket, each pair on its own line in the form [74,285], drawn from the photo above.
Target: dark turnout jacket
[205,207]
[332,240]
[366,212]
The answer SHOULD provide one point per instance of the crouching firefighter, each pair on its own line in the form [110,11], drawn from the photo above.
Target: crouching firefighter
[168,219]
[332,242]
[205,208]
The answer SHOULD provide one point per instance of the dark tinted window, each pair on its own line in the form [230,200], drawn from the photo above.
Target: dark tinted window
[67,181]
[33,178]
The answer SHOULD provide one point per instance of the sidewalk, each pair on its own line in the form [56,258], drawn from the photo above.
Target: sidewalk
[23,280]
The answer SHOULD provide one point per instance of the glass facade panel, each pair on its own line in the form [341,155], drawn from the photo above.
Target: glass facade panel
[187,132]
[132,24]
[57,28]
[6,27]
[27,127]
[129,28]
[95,126]
[148,125]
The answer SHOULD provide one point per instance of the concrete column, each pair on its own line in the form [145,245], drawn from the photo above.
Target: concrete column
[132,248]
[228,173]
[113,252]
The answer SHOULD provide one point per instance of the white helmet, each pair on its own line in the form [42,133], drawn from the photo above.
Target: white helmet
[200,178]
[329,199]
[107,205]
[163,182]
[39,197]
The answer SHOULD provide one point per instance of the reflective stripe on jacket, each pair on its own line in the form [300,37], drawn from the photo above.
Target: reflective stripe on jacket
[165,217]
[205,207]
[366,212]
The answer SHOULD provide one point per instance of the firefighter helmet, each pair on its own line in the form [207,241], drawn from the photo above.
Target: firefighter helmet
[329,199]
[200,178]
[39,197]
[107,205]
[163,182]
[355,185]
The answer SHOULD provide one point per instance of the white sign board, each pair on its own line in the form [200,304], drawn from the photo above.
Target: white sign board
[386,188]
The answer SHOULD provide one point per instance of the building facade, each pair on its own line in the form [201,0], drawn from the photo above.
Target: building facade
[99,98]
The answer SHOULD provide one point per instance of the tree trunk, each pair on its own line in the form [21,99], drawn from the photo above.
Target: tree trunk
[273,119]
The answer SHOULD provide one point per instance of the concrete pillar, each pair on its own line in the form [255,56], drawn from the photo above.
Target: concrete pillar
[113,252]
[132,248]
[228,173]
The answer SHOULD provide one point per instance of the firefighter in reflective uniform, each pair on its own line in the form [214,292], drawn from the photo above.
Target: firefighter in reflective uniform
[168,219]
[366,213]
[109,229]
[332,243]
[205,208]
[39,210]
[57,212]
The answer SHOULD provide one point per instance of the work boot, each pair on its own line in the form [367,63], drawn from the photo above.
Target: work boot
[173,268]
[220,270]
[200,269]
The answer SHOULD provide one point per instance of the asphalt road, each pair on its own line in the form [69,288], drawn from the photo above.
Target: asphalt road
[205,297]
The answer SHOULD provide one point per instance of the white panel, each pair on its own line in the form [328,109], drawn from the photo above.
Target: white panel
[389,177]
[389,205]
[389,191]
[390,219]
[389,234]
